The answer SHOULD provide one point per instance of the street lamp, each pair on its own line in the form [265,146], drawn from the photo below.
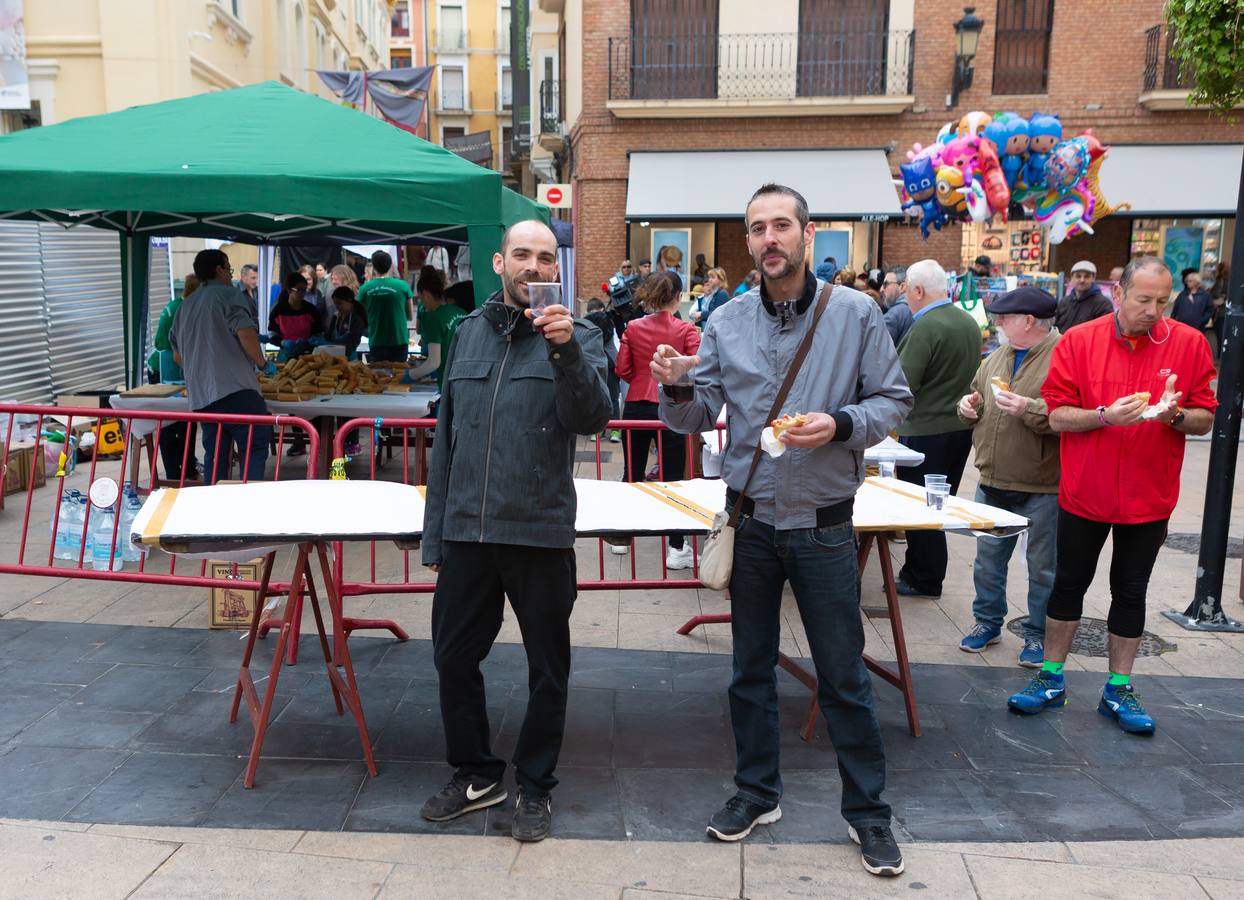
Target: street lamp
[967,40]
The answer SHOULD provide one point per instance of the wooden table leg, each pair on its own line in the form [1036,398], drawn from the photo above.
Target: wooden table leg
[347,688]
[901,678]
[261,712]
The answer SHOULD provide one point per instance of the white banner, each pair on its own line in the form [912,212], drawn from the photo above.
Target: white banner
[14,83]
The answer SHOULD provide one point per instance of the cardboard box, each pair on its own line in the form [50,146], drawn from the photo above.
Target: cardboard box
[22,463]
[230,607]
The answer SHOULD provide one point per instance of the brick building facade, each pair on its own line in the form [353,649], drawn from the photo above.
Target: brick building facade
[1097,54]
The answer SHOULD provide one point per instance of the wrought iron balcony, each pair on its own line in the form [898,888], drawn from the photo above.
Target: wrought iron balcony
[550,107]
[761,66]
[1162,70]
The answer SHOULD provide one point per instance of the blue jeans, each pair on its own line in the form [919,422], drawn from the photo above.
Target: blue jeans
[993,555]
[822,568]
[245,403]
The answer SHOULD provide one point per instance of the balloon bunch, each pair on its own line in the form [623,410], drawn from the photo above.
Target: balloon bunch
[976,169]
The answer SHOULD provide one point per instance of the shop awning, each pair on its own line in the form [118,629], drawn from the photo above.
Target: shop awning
[1173,180]
[709,185]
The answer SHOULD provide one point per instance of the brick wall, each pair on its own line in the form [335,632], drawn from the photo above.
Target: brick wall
[902,245]
[1097,58]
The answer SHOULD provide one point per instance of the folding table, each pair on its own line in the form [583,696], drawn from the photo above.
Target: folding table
[883,506]
[240,521]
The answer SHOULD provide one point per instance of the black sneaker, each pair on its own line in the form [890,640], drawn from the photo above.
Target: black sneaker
[460,797]
[739,816]
[878,850]
[533,818]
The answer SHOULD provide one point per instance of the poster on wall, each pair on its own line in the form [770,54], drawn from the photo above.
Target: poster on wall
[671,249]
[14,84]
[1183,249]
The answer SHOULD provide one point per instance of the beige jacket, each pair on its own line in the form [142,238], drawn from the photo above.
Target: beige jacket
[1016,453]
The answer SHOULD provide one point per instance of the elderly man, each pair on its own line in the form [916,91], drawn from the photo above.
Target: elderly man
[1085,302]
[897,310]
[1017,455]
[940,355]
[1121,457]
[795,508]
[500,522]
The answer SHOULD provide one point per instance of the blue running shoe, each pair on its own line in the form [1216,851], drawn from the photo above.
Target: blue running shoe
[1044,690]
[1033,654]
[1119,702]
[980,637]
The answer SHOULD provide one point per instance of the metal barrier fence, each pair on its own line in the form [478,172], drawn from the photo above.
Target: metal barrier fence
[73,528]
[410,439]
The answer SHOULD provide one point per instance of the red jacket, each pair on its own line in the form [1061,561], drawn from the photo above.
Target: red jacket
[640,341]
[1125,474]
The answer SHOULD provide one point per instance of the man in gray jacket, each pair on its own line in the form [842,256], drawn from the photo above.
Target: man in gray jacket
[796,518]
[500,521]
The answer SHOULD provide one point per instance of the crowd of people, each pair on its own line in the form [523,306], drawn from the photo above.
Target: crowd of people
[1055,416]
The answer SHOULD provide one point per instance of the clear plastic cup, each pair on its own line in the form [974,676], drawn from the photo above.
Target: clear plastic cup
[936,494]
[683,388]
[935,479]
[541,294]
[886,460]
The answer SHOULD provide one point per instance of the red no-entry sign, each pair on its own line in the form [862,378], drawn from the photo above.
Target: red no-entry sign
[555,195]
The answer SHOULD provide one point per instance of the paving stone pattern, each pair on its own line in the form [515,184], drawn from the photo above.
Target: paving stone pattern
[128,725]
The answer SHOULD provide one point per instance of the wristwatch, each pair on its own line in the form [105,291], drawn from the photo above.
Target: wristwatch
[1101,416]
[1180,415]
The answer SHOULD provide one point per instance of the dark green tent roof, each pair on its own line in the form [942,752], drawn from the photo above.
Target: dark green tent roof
[263,162]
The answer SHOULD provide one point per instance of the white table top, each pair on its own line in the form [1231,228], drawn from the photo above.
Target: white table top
[266,514]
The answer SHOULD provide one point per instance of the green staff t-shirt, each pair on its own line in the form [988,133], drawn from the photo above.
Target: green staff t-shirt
[439,327]
[385,300]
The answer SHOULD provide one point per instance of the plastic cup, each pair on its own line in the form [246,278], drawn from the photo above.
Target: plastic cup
[683,388]
[935,479]
[541,294]
[936,494]
[886,462]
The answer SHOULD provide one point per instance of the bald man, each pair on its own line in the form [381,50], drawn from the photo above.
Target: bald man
[500,522]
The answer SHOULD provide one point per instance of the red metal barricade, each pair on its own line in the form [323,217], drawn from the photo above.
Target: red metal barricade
[145,435]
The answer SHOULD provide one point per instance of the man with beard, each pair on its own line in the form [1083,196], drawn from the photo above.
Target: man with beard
[795,513]
[500,521]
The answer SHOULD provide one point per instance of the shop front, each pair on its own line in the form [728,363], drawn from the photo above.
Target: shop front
[684,204]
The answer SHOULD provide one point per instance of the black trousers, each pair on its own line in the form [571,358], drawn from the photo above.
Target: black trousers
[1080,542]
[470,596]
[673,450]
[944,454]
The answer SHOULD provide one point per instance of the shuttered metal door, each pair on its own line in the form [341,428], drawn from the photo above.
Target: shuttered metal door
[82,287]
[159,290]
[24,373]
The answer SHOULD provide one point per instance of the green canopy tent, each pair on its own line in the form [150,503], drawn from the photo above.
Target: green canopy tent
[257,164]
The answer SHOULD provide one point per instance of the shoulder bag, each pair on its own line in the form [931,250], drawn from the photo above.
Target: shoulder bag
[717,555]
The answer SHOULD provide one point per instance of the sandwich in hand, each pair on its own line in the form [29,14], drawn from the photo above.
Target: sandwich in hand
[770,438]
[1141,395]
[997,385]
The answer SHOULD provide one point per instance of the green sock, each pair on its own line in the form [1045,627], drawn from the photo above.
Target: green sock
[1054,668]
[1116,679]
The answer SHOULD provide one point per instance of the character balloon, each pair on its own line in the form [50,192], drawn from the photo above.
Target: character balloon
[920,184]
[1044,131]
[996,190]
[950,195]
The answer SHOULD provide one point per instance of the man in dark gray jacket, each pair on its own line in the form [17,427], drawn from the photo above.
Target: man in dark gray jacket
[500,521]
[796,517]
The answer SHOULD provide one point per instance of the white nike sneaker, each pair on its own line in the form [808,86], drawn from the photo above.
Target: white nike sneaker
[679,559]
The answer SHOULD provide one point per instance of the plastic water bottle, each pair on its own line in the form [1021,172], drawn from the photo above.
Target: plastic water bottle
[64,526]
[129,511]
[105,521]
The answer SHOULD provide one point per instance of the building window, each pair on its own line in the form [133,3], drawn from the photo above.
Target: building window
[447,132]
[842,48]
[451,27]
[1021,62]
[507,88]
[453,87]
[503,26]
[673,49]
[399,59]
[399,25]
[506,150]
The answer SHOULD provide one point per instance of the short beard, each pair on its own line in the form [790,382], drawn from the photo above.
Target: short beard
[511,291]
[793,262]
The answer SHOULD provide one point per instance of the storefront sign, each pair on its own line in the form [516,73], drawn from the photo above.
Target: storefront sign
[14,83]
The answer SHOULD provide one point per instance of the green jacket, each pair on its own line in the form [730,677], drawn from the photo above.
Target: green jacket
[161,341]
[939,354]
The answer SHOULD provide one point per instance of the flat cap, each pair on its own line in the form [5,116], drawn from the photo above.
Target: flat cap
[1084,266]
[1027,300]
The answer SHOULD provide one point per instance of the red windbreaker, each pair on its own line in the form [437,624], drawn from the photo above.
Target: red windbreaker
[1125,474]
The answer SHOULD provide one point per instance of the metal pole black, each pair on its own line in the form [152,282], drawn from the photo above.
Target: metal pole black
[1205,612]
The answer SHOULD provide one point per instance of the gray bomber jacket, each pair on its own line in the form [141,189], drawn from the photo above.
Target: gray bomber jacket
[851,372]
[512,403]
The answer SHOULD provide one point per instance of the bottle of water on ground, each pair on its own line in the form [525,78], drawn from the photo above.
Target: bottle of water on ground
[130,505]
[104,521]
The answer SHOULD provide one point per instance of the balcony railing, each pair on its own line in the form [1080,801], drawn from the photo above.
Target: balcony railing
[1162,70]
[550,107]
[761,66]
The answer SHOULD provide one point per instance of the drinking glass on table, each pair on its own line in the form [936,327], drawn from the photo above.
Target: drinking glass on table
[936,494]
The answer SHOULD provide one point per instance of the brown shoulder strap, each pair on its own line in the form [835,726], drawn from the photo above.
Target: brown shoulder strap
[804,346]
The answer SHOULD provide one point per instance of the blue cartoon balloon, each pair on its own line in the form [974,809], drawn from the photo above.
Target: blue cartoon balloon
[1044,131]
[920,183]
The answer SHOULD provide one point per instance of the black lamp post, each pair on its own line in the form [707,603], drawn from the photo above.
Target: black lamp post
[967,40]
